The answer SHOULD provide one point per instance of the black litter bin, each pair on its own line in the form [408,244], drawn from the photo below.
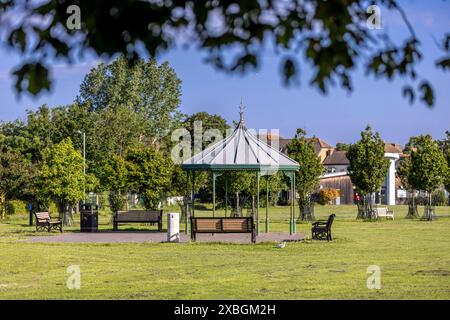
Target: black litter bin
[88,217]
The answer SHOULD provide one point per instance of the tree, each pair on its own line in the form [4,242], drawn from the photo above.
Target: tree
[149,90]
[114,178]
[368,168]
[116,131]
[332,36]
[43,128]
[445,146]
[428,170]
[239,183]
[213,127]
[307,178]
[61,178]
[14,137]
[342,146]
[15,177]
[276,185]
[149,173]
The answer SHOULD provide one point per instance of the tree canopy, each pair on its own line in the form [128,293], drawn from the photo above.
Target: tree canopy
[16,174]
[332,37]
[149,173]
[368,166]
[148,90]
[211,126]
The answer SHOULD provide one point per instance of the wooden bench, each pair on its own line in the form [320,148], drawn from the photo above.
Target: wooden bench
[223,225]
[138,216]
[384,212]
[45,222]
[321,230]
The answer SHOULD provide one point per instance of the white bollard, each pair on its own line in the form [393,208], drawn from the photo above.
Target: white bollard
[173,227]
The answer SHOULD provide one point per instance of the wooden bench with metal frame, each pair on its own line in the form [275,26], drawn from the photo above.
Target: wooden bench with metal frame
[223,225]
[138,216]
[44,222]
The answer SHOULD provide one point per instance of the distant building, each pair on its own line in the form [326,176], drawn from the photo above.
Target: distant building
[336,166]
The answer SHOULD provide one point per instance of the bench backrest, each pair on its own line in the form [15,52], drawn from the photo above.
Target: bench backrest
[381,211]
[222,224]
[42,216]
[138,216]
[239,224]
[210,224]
[330,221]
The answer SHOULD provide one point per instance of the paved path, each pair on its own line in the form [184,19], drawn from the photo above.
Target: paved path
[141,236]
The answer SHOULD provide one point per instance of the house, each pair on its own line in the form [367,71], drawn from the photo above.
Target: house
[336,161]
[322,148]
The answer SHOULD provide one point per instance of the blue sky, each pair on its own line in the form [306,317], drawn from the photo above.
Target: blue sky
[336,117]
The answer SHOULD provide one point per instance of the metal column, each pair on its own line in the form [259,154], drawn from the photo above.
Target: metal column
[226,194]
[186,218]
[257,203]
[214,192]
[294,223]
[267,203]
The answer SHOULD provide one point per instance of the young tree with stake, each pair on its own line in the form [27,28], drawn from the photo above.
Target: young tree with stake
[368,168]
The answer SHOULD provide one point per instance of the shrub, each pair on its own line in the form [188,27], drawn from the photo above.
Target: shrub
[116,201]
[326,195]
[16,207]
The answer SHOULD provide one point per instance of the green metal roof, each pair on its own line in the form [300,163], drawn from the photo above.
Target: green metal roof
[242,150]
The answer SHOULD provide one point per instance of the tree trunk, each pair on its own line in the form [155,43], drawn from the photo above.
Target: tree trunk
[65,213]
[412,208]
[305,207]
[365,208]
[127,206]
[183,208]
[369,213]
[253,204]
[428,210]
[2,206]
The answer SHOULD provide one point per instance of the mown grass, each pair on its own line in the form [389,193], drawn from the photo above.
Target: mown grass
[414,257]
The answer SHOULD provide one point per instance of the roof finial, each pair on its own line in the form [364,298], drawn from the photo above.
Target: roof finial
[241,114]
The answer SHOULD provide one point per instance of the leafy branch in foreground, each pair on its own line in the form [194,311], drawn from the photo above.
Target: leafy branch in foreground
[331,36]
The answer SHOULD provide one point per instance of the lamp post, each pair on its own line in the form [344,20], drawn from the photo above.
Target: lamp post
[84,162]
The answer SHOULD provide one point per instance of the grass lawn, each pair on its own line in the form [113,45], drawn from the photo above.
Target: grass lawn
[414,257]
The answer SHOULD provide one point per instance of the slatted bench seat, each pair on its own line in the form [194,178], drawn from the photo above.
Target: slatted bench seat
[138,216]
[44,222]
[223,225]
